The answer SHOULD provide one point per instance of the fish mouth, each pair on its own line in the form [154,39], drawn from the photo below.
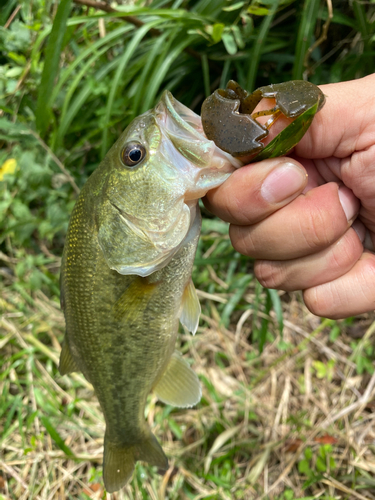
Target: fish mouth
[184,128]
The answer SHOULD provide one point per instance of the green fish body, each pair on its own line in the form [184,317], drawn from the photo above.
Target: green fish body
[126,276]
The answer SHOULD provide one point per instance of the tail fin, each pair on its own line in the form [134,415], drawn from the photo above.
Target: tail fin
[119,461]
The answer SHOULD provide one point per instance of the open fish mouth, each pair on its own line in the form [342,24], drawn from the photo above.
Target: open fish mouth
[184,128]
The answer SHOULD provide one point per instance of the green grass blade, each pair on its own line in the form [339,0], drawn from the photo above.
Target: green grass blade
[150,62]
[360,14]
[224,74]
[241,287]
[81,98]
[111,38]
[131,48]
[156,67]
[206,75]
[305,34]
[76,81]
[51,66]
[265,322]
[162,71]
[56,436]
[367,29]
[258,47]
[277,307]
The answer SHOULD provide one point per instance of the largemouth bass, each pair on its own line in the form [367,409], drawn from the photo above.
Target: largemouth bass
[126,267]
[126,276]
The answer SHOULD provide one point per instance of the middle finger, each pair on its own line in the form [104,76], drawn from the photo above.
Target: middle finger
[308,224]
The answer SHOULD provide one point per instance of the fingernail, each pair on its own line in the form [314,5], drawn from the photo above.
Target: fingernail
[283,182]
[349,202]
[360,229]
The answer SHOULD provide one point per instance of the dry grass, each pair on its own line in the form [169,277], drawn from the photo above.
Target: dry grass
[293,422]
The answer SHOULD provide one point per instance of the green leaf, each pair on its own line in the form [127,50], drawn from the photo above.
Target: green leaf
[304,467]
[321,465]
[313,479]
[229,43]
[217,31]
[289,137]
[51,66]
[81,98]
[340,18]
[235,6]
[109,40]
[224,75]
[238,37]
[334,333]
[258,11]
[289,495]
[321,369]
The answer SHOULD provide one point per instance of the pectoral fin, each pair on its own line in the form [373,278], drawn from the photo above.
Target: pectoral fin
[191,308]
[179,385]
[67,363]
[133,302]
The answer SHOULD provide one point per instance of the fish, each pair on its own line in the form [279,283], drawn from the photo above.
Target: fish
[126,276]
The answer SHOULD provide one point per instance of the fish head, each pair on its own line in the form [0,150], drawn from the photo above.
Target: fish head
[156,172]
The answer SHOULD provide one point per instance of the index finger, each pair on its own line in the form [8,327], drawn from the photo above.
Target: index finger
[345,124]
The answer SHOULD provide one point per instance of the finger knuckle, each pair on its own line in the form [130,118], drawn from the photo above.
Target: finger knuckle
[241,240]
[346,252]
[270,274]
[319,229]
[322,301]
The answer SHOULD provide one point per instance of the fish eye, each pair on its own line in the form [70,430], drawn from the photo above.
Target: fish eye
[133,154]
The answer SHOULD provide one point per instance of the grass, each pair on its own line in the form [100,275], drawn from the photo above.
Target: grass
[287,408]
[293,422]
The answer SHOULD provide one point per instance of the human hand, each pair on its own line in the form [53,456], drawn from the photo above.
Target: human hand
[309,219]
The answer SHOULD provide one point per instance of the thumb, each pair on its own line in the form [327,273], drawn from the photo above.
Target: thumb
[253,192]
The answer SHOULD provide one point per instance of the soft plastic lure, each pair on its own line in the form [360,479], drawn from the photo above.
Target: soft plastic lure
[228,118]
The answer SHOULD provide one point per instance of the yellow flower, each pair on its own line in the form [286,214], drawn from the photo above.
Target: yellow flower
[8,167]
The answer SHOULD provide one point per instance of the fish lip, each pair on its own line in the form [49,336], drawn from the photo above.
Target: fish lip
[193,126]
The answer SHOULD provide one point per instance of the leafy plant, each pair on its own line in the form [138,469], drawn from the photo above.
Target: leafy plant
[314,465]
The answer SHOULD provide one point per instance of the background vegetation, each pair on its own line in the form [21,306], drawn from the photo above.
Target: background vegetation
[293,421]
